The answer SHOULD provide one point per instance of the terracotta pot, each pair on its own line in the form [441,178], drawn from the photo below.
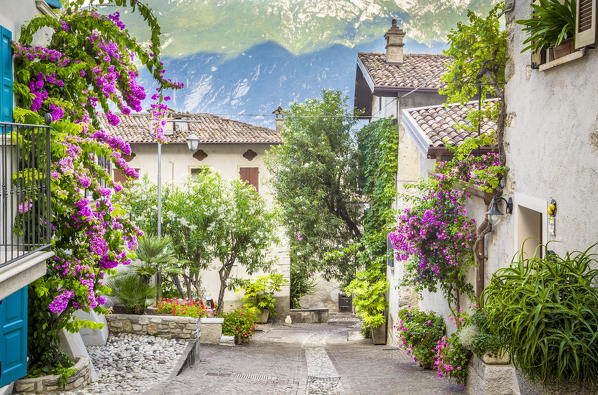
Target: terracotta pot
[565,48]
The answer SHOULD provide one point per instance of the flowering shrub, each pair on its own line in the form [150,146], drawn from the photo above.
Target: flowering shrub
[240,323]
[183,307]
[452,358]
[89,62]
[419,333]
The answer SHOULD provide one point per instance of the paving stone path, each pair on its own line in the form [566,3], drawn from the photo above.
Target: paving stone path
[306,359]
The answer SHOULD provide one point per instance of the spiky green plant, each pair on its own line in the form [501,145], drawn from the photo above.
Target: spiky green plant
[545,311]
[551,23]
[131,290]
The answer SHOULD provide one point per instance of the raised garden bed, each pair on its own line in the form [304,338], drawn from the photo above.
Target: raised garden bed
[46,384]
[167,326]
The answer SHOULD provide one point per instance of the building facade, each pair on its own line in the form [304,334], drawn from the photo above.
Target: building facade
[233,149]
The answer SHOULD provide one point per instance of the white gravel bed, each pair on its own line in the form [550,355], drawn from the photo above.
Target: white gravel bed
[131,363]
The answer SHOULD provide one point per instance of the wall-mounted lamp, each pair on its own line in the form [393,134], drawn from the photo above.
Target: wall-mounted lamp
[193,142]
[494,214]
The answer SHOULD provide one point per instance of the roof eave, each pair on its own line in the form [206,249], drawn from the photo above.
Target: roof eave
[417,134]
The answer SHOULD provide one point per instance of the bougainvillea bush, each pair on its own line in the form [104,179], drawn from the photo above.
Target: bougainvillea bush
[240,323]
[435,236]
[183,307]
[88,65]
[419,333]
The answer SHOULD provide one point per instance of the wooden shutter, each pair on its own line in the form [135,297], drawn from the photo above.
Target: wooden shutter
[585,23]
[250,175]
[13,337]
[5,75]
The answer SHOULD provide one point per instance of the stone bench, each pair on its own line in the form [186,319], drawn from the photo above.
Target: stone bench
[316,315]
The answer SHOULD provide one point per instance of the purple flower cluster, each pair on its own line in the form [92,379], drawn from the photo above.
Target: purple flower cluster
[437,234]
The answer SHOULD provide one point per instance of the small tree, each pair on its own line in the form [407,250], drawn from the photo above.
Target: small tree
[243,234]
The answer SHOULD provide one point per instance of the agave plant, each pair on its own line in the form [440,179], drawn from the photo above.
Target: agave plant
[545,312]
[550,24]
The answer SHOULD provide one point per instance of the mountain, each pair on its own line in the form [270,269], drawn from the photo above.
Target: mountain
[248,56]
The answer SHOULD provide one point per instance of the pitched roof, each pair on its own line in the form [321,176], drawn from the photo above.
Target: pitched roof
[417,70]
[211,129]
[433,125]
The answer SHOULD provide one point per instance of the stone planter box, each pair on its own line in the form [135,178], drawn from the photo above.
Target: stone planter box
[168,326]
[211,330]
[45,384]
[491,376]
[318,315]
[527,387]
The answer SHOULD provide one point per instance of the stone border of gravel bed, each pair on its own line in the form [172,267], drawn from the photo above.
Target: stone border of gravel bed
[45,384]
[167,326]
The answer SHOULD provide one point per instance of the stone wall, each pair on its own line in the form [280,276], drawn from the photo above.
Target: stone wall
[46,384]
[170,327]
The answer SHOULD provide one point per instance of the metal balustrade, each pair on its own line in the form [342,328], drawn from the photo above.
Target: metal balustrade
[25,206]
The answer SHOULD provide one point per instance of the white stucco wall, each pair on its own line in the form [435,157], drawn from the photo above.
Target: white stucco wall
[552,148]
[14,13]
[227,159]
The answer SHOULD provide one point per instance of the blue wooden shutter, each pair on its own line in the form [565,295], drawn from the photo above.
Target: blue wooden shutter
[5,75]
[13,337]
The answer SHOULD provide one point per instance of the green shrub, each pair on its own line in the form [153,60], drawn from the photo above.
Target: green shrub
[259,293]
[368,290]
[545,310]
[131,290]
[419,333]
[240,323]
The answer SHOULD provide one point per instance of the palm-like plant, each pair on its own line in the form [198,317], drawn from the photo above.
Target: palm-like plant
[550,24]
[131,290]
[154,255]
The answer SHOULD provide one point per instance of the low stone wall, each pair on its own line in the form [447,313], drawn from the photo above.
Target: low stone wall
[45,384]
[211,330]
[318,315]
[491,377]
[170,327]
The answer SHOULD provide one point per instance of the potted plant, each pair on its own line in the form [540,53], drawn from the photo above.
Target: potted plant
[259,293]
[368,290]
[545,313]
[552,25]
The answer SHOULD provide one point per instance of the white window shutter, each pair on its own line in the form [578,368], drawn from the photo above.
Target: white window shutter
[585,23]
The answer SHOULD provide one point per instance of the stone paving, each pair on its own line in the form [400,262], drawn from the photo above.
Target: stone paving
[305,359]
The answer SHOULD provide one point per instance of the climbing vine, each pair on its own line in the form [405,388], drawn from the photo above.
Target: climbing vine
[88,65]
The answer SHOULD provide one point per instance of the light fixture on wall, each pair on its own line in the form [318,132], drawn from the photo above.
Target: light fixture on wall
[494,214]
[192,142]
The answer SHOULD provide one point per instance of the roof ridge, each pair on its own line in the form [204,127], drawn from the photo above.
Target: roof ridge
[448,105]
[407,54]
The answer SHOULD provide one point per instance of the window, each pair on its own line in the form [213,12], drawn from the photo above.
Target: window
[250,175]
[195,171]
[529,231]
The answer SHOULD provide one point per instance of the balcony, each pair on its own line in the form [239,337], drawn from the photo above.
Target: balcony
[25,230]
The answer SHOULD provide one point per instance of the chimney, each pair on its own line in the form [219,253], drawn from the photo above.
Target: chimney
[279,118]
[394,44]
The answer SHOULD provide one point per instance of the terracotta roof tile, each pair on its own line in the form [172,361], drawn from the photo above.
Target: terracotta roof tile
[440,123]
[211,129]
[418,70]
